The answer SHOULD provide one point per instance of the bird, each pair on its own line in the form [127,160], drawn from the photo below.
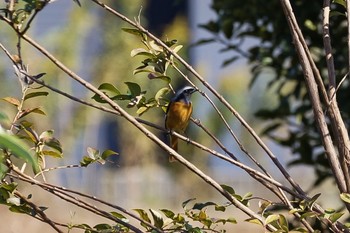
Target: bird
[178,114]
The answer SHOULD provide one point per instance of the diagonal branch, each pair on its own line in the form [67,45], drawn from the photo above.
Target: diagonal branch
[38,211]
[206,84]
[338,126]
[314,96]
[144,130]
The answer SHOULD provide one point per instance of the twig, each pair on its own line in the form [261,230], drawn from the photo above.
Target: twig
[144,130]
[72,199]
[313,91]
[56,168]
[206,84]
[38,211]
[338,126]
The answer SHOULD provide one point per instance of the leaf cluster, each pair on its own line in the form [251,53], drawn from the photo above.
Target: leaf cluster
[135,96]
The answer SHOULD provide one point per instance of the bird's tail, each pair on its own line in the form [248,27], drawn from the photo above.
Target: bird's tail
[173,144]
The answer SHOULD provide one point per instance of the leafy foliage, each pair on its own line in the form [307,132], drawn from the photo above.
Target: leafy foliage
[273,53]
[21,139]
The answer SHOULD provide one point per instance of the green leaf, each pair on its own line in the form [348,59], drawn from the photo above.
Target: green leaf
[179,219]
[161,93]
[308,215]
[187,201]
[204,41]
[200,206]
[103,226]
[21,209]
[141,51]
[177,48]
[263,205]
[93,153]
[143,215]
[12,101]
[142,110]
[155,46]
[3,171]
[212,26]
[86,161]
[144,70]
[228,189]
[229,61]
[135,31]
[107,153]
[314,198]
[98,99]
[247,196]
[227,28]
[255,221]
[9,187]
[154,75]
[340,2]
[168,213]
[271,218]
[334,217]
[295,210]
[109,87]
[231,220]
[18,148]
[47,139]
[329,211]
[35,94]
[345,197]
[220,208]
[41,161]
[283,223]
[52,154]
[122,97]
[157,218]
[134,88]
[170,43]
[32,135]
[27,111]
[119,216]
[83,226]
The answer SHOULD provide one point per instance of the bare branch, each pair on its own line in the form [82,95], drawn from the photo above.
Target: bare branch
[38,211]
[206,84]
[338,126]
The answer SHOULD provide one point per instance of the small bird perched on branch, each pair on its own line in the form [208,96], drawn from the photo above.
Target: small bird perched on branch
[178,114]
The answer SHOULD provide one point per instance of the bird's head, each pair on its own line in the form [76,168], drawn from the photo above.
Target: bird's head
[184,94]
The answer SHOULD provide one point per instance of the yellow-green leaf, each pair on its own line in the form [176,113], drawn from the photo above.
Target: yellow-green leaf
[271,218]
[345,197]
[12,101]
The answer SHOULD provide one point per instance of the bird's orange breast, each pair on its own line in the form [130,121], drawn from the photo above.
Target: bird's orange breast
[178,116]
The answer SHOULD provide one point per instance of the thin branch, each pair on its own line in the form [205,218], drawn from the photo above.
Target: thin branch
[338,126]
[314,97]
[38,211]
[57,168]
[206,84]
[72,199]
[144,130]
[311,84]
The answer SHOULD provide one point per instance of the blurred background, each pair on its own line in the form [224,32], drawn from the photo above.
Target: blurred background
[90,42]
